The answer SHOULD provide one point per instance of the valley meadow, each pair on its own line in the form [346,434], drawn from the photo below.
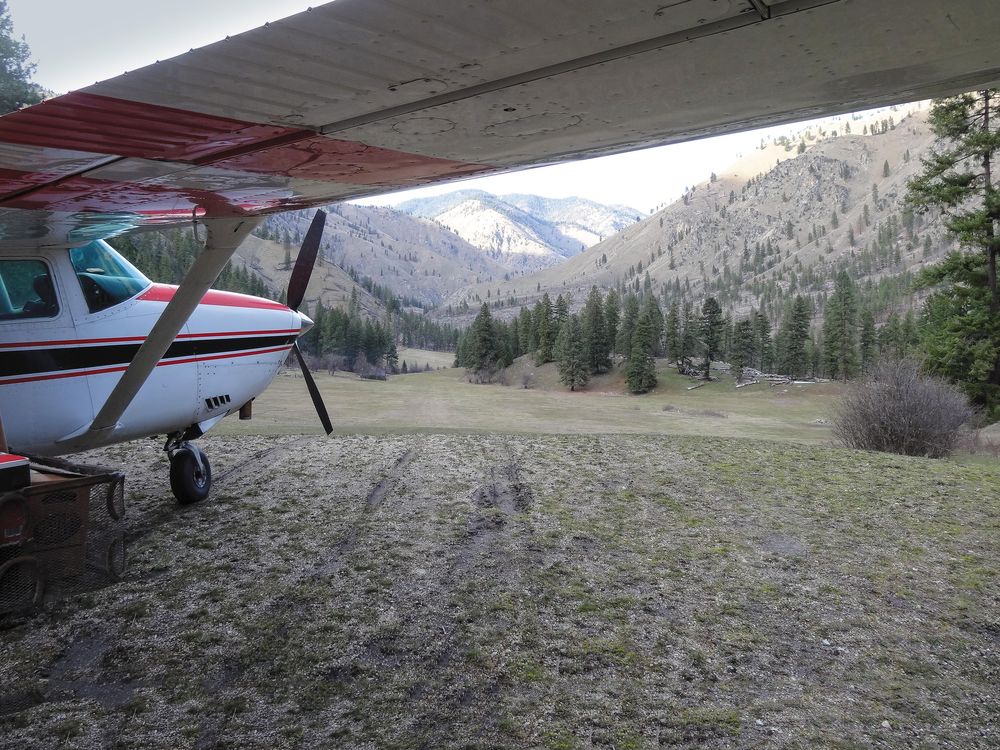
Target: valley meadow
[468,566]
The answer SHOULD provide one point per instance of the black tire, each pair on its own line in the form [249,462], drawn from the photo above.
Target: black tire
[189,483]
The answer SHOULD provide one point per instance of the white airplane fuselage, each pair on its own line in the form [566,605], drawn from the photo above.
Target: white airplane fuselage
[60,358]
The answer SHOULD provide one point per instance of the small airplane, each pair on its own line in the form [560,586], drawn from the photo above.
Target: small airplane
[76,318]
[355,98]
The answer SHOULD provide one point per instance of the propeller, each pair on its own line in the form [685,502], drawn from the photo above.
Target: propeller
[296,292]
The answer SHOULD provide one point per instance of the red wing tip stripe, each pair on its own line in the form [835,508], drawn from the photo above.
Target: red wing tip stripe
[162,363]
[140,339]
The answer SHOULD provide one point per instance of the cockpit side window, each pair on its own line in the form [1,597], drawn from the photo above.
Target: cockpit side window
[105,277]
[26,290]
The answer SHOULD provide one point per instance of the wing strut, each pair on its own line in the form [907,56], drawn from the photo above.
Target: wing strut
[224,236]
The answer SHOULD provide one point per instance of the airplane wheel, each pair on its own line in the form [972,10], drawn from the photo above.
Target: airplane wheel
[190,481]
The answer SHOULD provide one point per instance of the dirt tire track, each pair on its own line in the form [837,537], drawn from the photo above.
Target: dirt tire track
[373,500]
[253,459]
[493,542]
[289,607]
[377,495]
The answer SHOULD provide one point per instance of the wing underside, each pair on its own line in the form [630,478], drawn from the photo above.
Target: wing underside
[365,96]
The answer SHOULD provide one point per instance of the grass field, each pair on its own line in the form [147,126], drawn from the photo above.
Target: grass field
[630,577]
[420,358]
[444,400]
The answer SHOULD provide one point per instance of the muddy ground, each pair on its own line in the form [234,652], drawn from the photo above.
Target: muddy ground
[449,591]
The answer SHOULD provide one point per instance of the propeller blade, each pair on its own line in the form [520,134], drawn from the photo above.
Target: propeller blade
[304,263]
[313,391]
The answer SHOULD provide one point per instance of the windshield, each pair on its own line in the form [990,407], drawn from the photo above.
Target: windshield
[105,277]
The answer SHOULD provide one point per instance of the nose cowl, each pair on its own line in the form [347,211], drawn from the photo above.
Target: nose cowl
[306,322]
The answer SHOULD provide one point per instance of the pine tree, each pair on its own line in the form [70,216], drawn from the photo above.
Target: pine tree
[961,321]
[868,340]
[742,354]
[482,348]
[711,332]
[630,316]
[640,372]
[652,308]
[763,343]
[391,356]
[794,360]
[526,328]
[726,344]
[574,369]
[840,330]
[16,70]
[689,334]
[612,315]
[597,348]
[560,311]
[672,333]
[545,331]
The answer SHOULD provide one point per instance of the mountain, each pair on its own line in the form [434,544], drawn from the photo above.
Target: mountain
[586,221]
[523,232]
[418,260]
[781,221]
[328,283]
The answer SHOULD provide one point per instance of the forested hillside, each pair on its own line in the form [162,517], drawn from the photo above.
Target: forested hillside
[784,221]
[353,314]
[815,268]
[419,260]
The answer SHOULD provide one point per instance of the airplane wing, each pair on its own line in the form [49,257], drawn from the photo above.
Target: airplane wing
[358,97]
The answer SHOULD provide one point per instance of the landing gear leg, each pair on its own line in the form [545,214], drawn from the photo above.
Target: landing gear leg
[190,472]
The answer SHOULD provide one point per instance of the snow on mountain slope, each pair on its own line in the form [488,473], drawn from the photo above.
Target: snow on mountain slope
[523,232]
[510,243]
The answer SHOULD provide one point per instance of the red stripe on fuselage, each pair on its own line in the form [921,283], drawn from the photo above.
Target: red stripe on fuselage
[122,368]
[133,339]
[165,293]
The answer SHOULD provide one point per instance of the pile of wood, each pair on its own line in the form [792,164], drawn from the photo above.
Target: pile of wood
[751,376]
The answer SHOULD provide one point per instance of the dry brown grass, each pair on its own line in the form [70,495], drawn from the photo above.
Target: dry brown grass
[532,591]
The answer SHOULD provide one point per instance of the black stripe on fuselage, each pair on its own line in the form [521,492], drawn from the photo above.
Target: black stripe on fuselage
[34,361]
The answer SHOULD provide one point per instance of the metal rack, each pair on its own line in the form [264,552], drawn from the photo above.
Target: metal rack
[63,534]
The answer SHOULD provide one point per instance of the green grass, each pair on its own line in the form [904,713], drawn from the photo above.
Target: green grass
[419,358]
[444,401]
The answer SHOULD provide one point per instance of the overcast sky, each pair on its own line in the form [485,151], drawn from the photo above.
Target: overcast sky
[78,42]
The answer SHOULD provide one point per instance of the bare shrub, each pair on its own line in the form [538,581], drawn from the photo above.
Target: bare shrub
[897,409]
[528,380]
[362,367]
[366,370]
[492,373]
